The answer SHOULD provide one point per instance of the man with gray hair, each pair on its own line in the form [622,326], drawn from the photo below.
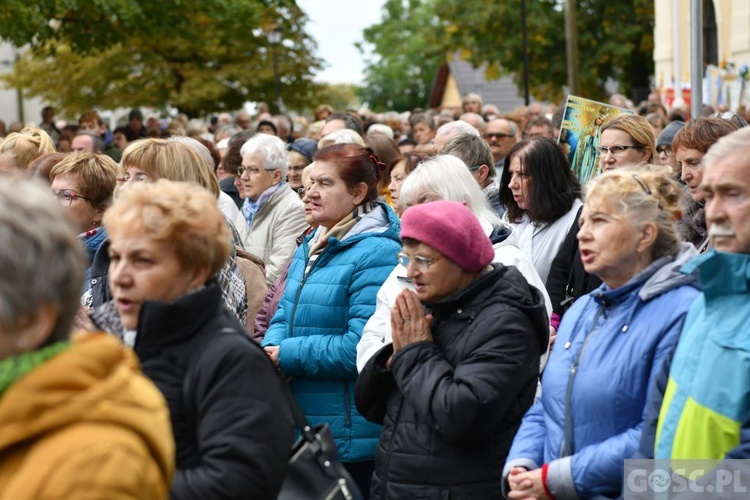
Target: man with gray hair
[448,131]
[86,141]
[275,214]
[501,135]
[475,120]
[475,153]
[696,418]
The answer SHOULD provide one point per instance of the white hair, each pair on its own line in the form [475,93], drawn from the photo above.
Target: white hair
[270,148]
[380,128]
[452,129]
[343,136]
[448,178]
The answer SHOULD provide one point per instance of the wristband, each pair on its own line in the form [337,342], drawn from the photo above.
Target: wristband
[545,468]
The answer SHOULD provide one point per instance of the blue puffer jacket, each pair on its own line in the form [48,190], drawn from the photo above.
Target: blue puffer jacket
[610,346]
[320,320]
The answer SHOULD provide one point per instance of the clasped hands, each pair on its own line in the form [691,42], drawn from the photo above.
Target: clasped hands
[526,485]
[409,323]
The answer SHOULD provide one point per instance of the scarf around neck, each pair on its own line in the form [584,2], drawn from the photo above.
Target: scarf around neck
[12,369]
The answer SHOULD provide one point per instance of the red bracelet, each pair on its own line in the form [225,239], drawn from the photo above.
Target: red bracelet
[545,467]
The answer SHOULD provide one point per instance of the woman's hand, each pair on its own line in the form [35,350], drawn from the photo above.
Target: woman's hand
[273,353]
[409,323]
[526,484]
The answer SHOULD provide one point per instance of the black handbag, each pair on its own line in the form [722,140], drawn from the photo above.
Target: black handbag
[315,471]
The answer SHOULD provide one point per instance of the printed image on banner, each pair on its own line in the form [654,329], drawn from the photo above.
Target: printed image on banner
[580,133]
[686,479]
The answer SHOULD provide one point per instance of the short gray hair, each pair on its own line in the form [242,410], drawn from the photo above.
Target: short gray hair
[43,261]
[455,128]
[735,142]
[472,150]
[271,150]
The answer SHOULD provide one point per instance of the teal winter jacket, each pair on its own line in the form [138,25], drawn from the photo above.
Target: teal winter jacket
[320,320]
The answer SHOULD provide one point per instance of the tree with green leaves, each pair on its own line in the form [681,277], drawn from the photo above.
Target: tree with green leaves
[615,40]
[405,58]
[195,55]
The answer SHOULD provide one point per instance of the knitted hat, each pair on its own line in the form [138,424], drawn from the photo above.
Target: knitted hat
[667,134]
[451,229]
[305,147]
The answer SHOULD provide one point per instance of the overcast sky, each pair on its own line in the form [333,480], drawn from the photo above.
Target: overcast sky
[337,25]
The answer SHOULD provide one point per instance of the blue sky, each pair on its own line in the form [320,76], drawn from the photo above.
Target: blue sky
[337,25]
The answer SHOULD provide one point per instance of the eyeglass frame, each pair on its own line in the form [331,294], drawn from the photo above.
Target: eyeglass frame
[664,148]
[242,169]
[421,263]
[604,150]
[497,135]
[70,196]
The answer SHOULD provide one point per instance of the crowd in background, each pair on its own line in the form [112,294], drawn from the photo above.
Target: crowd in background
[436,286]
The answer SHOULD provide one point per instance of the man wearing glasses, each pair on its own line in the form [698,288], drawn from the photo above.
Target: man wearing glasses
[500,135]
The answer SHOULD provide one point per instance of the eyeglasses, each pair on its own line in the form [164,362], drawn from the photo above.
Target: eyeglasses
[66,198]
[301,191]
[252,170]
[475,168]
[615,150]
[496,135]
[136,178]
[421,264]
[667,150]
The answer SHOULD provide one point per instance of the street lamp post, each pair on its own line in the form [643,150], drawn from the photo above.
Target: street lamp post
[274,38]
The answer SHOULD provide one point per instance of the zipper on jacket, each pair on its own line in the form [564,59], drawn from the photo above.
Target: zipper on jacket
[567,444]
[348,405]
[299,292]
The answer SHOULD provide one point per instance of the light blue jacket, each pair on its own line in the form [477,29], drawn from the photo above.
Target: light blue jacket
[610,346]
[320,320]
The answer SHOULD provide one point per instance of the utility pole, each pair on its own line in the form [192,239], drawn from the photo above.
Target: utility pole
[525,45]
[571,46]
[696,54]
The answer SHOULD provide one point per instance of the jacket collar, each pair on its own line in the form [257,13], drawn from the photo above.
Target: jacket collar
[161,324]
[721,273]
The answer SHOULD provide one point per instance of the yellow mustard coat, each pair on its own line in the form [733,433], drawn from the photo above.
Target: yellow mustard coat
[85,425]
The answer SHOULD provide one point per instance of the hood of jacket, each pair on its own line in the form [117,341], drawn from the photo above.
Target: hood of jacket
[668,275]
[97,380]
[499,284]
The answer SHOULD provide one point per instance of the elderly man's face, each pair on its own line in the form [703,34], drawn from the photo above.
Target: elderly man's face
[499,138]
[726,188]
[83,143]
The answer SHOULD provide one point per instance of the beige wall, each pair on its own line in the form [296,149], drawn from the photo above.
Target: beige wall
[451,95]
[733,25]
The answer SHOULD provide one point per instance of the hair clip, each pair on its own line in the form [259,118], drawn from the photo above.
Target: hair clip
[646,189]
[379,165]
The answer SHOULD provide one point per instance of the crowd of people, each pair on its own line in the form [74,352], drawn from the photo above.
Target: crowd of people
[437,287]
